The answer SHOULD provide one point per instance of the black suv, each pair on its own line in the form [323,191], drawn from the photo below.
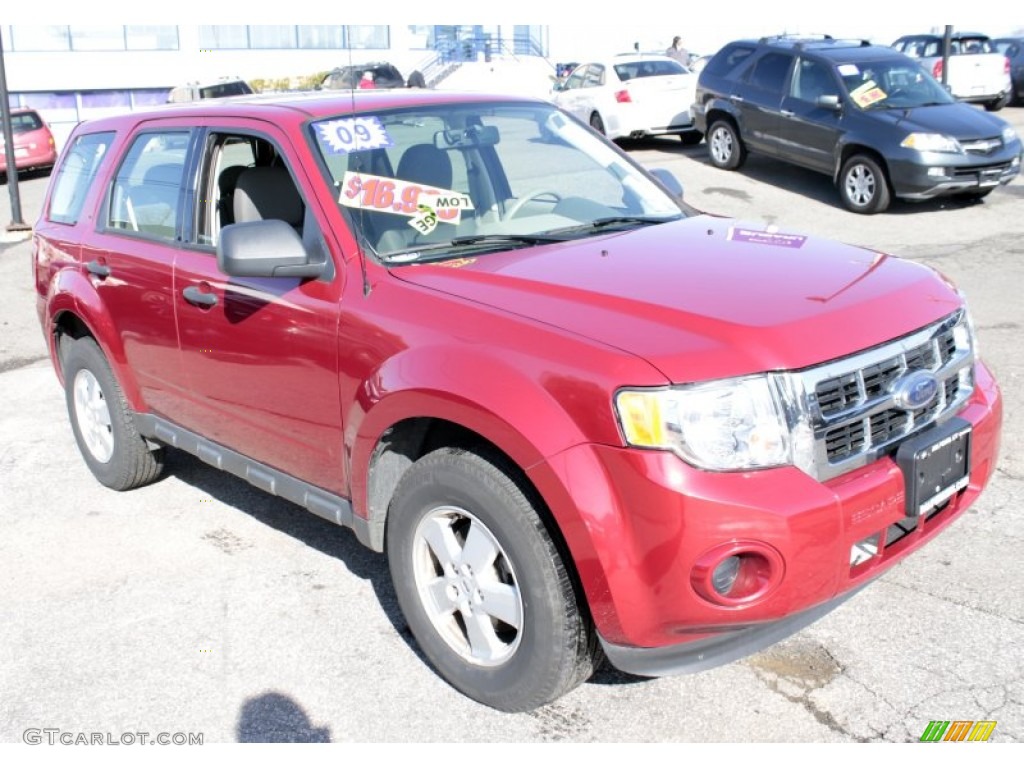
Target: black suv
[870,117]
[344,78]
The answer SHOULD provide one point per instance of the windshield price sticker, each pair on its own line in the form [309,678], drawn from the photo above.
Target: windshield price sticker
[353,134]
[867,94]
[403,198]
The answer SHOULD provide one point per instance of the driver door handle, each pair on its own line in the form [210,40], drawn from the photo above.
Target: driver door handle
[194,295]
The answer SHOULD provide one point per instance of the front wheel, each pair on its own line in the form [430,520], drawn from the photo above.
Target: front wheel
[597,123]
[102,421]
[482,585]
[725,147]
[863,186]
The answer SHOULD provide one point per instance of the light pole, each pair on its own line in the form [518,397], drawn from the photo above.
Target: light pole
[16,225]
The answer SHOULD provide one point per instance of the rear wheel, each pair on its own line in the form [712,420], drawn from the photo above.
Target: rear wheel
[482,585]
[102,421]
[725,148]
[863,186]
[597,123]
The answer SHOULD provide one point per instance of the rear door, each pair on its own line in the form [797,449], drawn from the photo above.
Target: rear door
[759,101]
[130,257]
[261,354]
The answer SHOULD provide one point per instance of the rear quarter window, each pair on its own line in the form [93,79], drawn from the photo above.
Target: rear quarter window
[75,175]
[728,59]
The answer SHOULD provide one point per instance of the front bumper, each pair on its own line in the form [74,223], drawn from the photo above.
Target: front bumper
[946,175]
[642,522]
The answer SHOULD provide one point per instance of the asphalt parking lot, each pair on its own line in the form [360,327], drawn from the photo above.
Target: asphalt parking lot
[201,605]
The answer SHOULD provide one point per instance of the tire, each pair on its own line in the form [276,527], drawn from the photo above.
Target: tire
[863,186]
[691,138]
[997,104]
[460,532]
[725,147]
[597,124]
[102,421]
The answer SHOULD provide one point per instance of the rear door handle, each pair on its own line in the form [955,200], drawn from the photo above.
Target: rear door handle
[98,268]
[193,295]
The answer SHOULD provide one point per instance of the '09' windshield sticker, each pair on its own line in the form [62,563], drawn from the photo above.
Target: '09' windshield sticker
[425,206]
[353,134]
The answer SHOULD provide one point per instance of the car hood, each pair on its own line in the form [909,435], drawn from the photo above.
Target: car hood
[705,298]
[961,121]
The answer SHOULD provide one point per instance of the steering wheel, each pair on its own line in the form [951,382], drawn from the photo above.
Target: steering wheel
[534,194]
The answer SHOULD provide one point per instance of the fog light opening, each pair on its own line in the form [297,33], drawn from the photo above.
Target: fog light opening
[737,574]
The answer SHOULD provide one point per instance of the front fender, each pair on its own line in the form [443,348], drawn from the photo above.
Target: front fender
[526,417]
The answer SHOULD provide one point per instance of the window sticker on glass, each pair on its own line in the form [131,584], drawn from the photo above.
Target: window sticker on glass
[848,70]
[353,134]
[867,94]
[425,205]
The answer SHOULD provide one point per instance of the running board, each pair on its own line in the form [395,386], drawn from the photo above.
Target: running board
[322,503]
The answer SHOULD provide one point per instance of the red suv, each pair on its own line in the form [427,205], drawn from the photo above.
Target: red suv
[33,142]
[578,416]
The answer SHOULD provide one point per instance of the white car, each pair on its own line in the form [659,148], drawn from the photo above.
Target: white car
[632,95]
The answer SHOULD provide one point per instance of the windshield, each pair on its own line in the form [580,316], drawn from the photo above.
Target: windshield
[431,182]
[892,84]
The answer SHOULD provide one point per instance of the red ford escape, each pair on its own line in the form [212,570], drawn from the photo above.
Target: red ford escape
[577,416]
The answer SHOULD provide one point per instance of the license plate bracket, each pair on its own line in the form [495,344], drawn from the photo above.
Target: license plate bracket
[936,464]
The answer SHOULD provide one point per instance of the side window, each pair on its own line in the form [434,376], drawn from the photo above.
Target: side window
[244,178]
[75,175]
[769,73]
[811,80]
[594,76]
[728,60]
[575,79]
[146,197]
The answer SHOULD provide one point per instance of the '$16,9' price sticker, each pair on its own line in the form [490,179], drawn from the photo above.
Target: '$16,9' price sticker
[404,198]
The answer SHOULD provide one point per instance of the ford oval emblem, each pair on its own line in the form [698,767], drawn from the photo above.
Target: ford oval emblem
[915,390]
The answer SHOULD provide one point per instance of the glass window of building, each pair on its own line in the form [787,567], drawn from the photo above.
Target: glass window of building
[224,36]
[272,36]
[151,37]
[32,37]
[368,36]
[321,36]
[95,38]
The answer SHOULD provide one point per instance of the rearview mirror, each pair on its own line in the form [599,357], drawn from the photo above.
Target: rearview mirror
[473,136]
[830,101]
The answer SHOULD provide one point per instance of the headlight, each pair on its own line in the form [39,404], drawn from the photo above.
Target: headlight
[735,424]
[1009,134]
[931,142]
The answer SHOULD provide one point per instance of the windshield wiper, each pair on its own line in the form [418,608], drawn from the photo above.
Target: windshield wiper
[466,242]
[608,222]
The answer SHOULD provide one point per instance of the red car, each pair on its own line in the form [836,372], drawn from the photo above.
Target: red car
[578,416]
[33,143]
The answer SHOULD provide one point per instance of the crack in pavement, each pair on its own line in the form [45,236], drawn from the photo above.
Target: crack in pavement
[954,602]
[13,363]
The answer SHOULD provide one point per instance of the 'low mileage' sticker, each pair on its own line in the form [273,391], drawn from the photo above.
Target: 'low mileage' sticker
[425,206]
[354,134]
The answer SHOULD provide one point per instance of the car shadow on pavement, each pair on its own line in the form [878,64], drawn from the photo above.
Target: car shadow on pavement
[325,537]
[275,718]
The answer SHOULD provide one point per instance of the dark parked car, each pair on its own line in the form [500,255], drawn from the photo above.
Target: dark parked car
[870,117]
[344,78]
[33,142]
[1013,49]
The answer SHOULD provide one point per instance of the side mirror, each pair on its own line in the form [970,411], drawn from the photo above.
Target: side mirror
[830,101]
[669,180]
[269,248]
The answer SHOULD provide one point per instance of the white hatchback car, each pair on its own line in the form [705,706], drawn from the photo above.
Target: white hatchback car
[632,95]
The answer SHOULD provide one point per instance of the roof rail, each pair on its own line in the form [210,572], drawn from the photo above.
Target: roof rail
[794,36]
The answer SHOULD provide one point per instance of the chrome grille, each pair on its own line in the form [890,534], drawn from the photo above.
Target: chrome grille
[854,416]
